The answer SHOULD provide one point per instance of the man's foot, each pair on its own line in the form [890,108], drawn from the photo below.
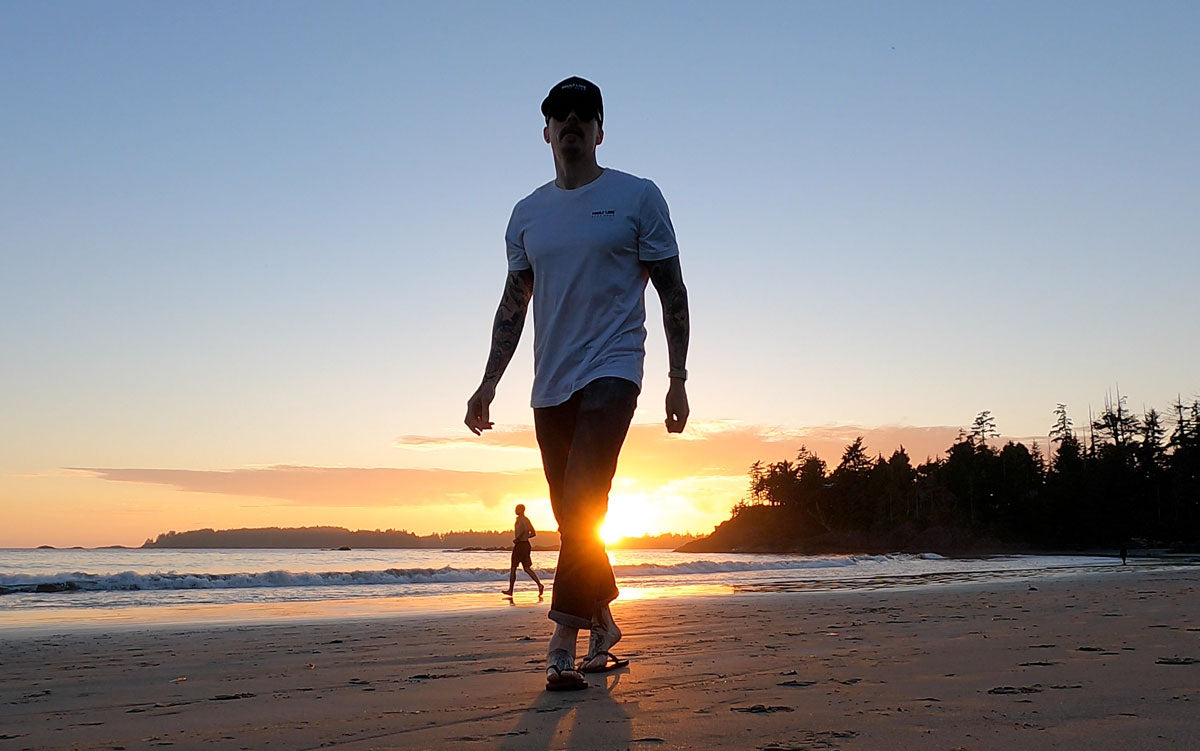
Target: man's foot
[602,639]
[541,589]
[561,674]
[611,662]
[506,592]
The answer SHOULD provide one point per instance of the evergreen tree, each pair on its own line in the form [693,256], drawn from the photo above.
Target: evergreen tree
[1062,425]
[812,486]
[1116,425]
[854,459]
[1039,459]
[1016,491]
[898,487]
[960,475]
[1151,452]
[852,505]
[983,428]
[1183,512]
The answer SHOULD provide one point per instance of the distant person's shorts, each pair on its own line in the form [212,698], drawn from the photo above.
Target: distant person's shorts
[520,554]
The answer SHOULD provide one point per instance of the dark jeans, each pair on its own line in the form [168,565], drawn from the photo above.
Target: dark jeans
[580,441]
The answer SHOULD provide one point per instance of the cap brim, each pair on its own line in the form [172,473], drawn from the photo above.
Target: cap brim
[576,100]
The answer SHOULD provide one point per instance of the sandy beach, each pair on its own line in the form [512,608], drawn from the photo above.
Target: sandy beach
[1102,661]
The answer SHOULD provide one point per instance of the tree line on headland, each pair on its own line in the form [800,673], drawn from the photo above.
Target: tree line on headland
[340,537]
[323,537]
[1130,480]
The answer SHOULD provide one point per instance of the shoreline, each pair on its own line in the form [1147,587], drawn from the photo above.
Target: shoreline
[77,612]
[1104,661]
[54,618]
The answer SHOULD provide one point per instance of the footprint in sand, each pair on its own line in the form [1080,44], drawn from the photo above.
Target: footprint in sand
[797,684]
[1176,661]
[1034,689]
[761,709]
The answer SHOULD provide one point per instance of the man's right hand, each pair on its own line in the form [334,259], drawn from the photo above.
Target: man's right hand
[477,409]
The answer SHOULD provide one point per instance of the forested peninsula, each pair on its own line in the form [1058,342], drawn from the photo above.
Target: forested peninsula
[1128,481]
[340,537]
[330,537]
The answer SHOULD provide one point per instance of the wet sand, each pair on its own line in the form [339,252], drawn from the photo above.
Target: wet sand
[1102,661]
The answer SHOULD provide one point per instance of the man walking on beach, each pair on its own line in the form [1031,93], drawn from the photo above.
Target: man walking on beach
[583,247]
[522,551]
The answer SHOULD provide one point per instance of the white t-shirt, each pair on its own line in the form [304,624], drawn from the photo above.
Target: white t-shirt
[586,248]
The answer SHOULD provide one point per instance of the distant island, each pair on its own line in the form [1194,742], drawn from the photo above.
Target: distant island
[340,537]
[81,547]
[1130,481]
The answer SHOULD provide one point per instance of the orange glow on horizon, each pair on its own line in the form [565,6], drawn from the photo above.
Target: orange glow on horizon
[663,485]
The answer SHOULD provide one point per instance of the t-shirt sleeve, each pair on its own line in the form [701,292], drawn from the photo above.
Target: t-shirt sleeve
[656,235]
[515,241]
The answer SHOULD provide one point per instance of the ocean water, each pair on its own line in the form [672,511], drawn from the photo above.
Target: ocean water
[68,589]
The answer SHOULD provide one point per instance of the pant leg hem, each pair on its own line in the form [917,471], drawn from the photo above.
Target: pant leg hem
[570,621]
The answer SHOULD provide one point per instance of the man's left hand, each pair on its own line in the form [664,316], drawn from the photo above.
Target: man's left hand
[677,406]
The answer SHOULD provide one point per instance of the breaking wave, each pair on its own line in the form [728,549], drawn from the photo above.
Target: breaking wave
[130,581]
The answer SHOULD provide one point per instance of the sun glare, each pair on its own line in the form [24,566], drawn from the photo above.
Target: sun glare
[631,515]
[609,531]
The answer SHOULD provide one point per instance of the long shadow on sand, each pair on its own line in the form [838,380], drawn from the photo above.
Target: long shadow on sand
[589,719]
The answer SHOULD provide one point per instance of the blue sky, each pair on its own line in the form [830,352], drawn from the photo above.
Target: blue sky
[252,234]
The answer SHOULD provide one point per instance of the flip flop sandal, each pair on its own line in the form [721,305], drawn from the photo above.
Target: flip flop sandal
[565,677]
[612,662]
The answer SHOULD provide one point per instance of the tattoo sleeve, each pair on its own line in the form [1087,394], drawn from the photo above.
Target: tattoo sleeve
[509,321]
[667,278]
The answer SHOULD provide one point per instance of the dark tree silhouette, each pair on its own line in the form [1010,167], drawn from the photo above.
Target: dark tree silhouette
[1116,424]
[984,428]
[1132,482]
[1062,425]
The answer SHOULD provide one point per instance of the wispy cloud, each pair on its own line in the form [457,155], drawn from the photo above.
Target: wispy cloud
[509,439]
[59,474]
[341,486]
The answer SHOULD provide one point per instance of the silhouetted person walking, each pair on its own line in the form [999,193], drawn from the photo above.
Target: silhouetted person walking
[583,247]
[522,551]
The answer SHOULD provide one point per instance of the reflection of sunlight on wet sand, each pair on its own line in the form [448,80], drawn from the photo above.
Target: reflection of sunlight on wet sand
[679,590]
[265,613]
[350,609]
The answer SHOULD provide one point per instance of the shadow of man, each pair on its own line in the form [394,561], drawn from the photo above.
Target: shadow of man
[589,720]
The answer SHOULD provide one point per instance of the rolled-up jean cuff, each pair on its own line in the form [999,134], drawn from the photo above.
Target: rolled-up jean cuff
[570,621]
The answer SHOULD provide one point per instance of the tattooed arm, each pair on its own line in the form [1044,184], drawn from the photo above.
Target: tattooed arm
[506,332]
[667,278]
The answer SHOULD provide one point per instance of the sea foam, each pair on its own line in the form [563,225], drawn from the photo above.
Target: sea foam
[133,581]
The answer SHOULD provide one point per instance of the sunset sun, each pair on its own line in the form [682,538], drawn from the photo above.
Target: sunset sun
[632,515]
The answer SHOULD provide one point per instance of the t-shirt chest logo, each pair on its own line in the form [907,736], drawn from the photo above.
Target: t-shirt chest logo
[604,214]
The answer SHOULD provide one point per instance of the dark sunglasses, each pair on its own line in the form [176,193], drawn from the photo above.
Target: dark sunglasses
[562,110]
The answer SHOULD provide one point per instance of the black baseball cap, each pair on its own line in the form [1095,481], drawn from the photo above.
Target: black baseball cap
[577,94]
